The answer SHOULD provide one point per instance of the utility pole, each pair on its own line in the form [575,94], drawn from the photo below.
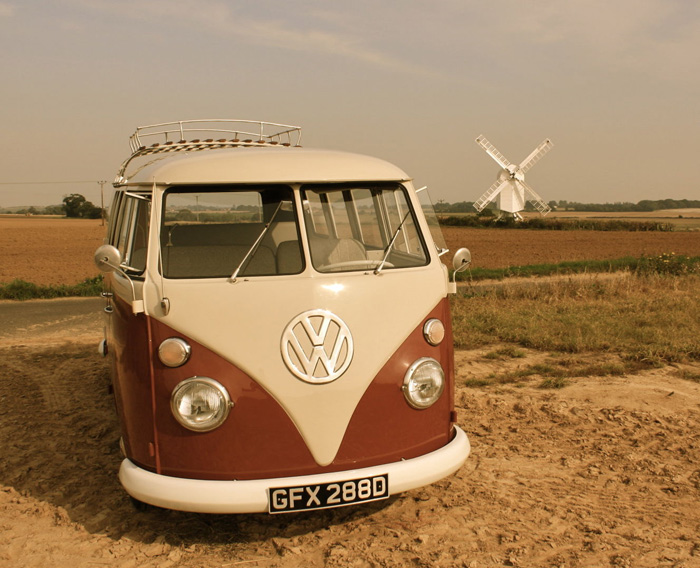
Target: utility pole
[102,201]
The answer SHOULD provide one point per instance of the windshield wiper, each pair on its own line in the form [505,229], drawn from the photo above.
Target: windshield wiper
[254,247]
[388,248]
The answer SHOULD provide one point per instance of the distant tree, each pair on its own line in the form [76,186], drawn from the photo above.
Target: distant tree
[442,206]
[72,204]
[54,210]
[185,215]
[90,211]
[75,205]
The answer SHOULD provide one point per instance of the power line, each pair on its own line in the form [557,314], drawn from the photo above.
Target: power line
[45,182]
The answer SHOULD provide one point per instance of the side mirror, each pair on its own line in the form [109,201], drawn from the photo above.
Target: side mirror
[461,260]
[108,258]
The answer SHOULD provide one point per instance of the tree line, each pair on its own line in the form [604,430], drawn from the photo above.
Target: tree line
[73,205]
[563,205]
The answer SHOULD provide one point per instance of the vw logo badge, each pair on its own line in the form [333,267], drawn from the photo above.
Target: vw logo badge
[317,346]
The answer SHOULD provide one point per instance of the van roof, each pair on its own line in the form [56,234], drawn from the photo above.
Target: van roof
[257,165]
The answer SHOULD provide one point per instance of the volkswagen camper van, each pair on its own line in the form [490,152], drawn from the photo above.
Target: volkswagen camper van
[277,323]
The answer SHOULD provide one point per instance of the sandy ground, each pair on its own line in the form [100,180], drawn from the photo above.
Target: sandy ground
[604,472]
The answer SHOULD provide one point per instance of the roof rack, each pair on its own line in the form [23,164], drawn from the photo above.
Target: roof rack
[217,133]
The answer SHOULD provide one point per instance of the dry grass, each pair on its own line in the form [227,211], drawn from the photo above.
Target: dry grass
[644,319]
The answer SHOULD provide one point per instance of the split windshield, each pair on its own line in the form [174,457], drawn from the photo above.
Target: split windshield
[212,232]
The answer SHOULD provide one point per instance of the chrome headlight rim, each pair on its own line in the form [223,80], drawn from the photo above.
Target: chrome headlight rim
[225,404]
[411,390]
[177,348]
[434,331]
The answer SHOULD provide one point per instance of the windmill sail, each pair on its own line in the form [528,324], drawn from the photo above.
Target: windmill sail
[491,193]
[537,202]
[491,151]
[536,155]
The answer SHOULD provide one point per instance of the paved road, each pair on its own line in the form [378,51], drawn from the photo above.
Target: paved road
[35,319]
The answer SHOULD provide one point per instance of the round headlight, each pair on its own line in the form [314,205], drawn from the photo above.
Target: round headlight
[423,383]
[200,404]
[434,331]
[174,352]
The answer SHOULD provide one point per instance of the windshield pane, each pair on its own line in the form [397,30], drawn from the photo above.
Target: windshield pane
[211,232]
[356,227]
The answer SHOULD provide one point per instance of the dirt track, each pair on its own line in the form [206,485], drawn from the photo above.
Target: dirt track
[605,472]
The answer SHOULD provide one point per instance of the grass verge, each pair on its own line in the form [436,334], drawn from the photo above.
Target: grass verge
[645,320]
[21,290]
[667,263]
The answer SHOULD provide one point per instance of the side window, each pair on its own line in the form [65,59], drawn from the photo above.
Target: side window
[129,234]
[136,253]
[113,211]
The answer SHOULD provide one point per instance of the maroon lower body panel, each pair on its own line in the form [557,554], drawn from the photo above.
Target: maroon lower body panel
[259,440]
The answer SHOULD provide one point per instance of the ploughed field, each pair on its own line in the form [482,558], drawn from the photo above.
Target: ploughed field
[49,251]
[60,251]
[501,248]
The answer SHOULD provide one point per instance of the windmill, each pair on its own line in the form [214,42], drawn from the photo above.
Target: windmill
[510,187]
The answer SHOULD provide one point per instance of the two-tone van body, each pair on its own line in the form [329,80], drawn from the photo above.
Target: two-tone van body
[277,323]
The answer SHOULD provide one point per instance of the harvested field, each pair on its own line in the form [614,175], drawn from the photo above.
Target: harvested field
[60,251]
[680,218]
[501,248]
[49,251]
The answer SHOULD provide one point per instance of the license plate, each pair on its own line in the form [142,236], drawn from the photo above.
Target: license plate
[326,495]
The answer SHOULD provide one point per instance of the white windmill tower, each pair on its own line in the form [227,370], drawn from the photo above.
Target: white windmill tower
[510,187]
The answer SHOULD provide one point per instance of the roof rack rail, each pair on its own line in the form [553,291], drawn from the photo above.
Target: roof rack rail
[217,133]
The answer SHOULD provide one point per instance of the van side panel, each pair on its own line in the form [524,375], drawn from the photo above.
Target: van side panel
[259,440]
[129,350]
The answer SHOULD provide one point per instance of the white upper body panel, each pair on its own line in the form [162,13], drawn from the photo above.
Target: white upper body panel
[260,165]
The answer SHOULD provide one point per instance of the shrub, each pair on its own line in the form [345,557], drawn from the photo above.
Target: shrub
[669,263]
[21,290]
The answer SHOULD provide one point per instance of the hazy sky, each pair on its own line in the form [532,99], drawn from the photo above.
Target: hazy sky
[615,85]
